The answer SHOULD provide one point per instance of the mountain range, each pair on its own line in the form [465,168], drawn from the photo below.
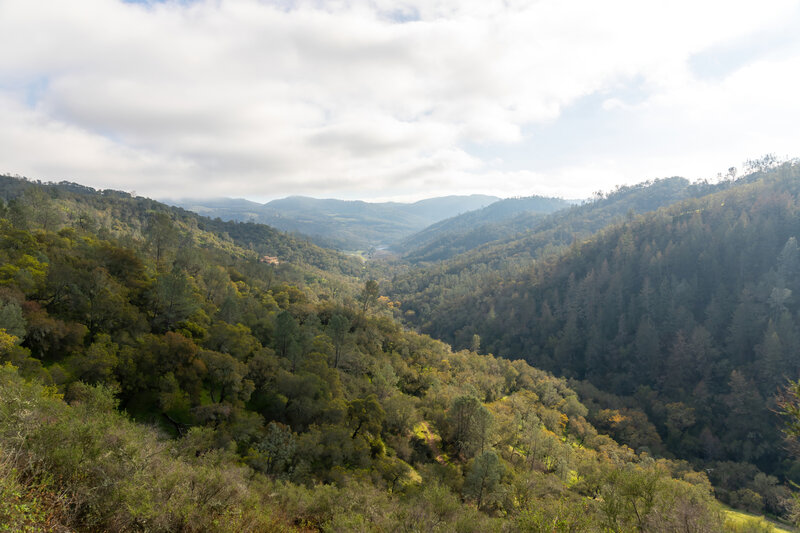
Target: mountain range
[341,224]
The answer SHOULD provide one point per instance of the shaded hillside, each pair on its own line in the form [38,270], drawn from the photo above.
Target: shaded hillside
[692,310]
[469,230]
[423,289]
[347,225]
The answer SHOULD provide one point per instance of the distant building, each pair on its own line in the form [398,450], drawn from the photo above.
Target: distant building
[268,259]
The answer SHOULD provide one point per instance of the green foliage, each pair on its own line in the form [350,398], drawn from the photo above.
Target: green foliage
[369,295]
[172,300]
[11,319]
[471,424]
[365,414]
[274,451]
[483,257]
[687,315]
[281,397]
[103,472]
[483,478]
[737,522]
[162,236]
[21,506]
[557,516]
[97,363]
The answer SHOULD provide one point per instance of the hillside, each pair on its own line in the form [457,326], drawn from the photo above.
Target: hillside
[469,230]
[346,225]
[119,215]
[424,288]
[688,315]
[273,404]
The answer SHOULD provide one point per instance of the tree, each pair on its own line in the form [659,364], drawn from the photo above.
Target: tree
[366,414]
[547,515]
[789,407]
[161,235]
[391,470]
[762,164]
[771,365]
[747,418]
[97,363]
[41,209]
[286,332]
[234,340]
[629,495]
[174,403]
[172,300]
[226,377]
[338,327]
[11,319]
[101,302]
[471,425]
[789,264]
[369,295]
[475,343]
[7,342]
[276,447]
[483,477]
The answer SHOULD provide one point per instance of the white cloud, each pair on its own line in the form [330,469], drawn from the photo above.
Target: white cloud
[372,97]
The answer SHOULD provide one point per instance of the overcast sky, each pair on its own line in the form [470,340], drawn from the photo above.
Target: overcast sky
[381,99]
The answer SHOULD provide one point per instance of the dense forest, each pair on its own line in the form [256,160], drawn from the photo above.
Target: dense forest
[161,375]
[424,287]
[677,327]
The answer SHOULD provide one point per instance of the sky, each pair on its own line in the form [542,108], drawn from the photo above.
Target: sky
[400,100]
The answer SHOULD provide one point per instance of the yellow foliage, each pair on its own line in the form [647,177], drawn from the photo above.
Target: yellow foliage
[617,418]
[7,341]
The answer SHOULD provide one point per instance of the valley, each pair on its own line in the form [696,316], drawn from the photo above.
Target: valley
[359,266]
[340,224]
[613,365]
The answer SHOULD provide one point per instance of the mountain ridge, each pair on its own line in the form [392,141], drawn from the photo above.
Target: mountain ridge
[474,228]
[341,224]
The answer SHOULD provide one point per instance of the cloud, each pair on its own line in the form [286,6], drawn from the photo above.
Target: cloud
[371,97]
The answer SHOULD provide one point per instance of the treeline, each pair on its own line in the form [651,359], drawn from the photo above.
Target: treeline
[688,316]
[274,403]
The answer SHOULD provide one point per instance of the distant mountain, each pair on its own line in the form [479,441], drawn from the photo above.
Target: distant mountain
[214,207]
[469,230]
[349,225]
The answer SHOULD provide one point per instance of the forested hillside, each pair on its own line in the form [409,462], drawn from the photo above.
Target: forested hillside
[688,316]
[117,214]
[469,230]
[276,398]
[427,287]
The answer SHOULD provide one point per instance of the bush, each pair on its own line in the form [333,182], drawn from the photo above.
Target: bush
[107,473]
